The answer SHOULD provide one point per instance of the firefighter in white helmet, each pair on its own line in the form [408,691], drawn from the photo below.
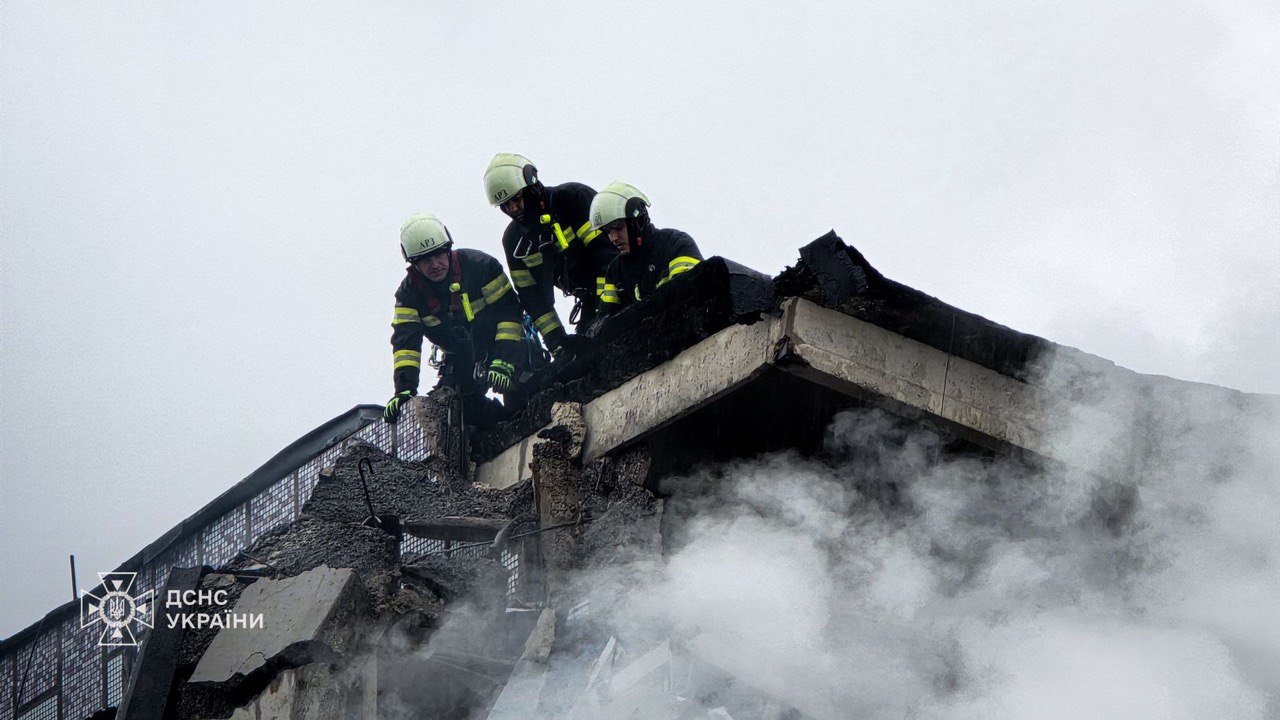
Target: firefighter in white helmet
[648,257]
[461,301]
[549,243]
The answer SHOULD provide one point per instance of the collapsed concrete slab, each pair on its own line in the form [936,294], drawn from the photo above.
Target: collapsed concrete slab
[306,618]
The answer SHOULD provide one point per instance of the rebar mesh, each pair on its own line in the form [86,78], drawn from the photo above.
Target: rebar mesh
[511,561]
[411,544]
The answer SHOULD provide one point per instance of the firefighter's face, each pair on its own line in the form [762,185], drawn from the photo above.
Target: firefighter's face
[514,207]
[617,232]
[435,266]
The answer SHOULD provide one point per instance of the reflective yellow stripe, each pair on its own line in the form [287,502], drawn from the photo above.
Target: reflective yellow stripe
[407,358]
[599,286]
[563,236]
[533,260]
[466,308]
[610,294]
[405,315]
[587,234]
[547,323]
[495,289]
[508,331]
[523,278]
[681,264]
[431,321]
[637,292]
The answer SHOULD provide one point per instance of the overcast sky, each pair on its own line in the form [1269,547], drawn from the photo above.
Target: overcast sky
[200,202]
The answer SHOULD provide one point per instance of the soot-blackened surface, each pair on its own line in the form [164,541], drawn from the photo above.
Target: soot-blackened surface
[408,489]
[314,541]
[625,515]
[622,346]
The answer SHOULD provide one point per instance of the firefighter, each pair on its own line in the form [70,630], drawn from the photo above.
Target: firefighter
[549,244]
[648,257]
[461,301]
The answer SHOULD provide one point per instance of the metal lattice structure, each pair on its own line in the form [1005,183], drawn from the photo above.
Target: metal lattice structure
[43,709]
[55,670]
[82,670]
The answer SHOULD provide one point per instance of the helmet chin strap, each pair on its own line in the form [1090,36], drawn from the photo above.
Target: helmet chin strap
[635,234]
[535,205]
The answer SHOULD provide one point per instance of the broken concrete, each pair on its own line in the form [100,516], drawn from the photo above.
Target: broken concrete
[556,479]
[315,692]
[147,696]
[411,490]
[626,515]
[455,577]
[306,618]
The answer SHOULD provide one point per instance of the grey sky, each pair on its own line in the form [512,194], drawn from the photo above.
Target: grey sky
[199,202]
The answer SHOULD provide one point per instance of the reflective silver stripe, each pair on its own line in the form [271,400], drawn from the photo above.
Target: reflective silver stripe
[407,358]
[533,260]
[405,315]
[547,323]
[508,331]
[523,278]
[431,321]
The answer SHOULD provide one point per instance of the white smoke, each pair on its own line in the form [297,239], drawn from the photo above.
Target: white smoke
[1138,579]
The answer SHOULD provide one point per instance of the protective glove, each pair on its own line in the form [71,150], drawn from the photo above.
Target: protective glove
[392,412]
[501,373]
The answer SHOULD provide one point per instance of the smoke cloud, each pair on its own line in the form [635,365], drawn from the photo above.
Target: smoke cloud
[894,577]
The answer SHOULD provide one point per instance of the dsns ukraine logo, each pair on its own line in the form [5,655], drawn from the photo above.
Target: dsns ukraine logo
[117,609]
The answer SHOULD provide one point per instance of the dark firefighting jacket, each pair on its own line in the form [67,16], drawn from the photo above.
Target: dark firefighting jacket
[662,255]
[471,314]
[557,249]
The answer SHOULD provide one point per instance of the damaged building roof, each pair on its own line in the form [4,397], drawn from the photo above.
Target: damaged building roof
[360,540]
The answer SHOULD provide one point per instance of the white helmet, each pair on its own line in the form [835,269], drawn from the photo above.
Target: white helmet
[507,175]
[423,234]
[619,201]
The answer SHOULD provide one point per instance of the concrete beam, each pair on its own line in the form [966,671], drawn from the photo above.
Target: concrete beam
[837,351]
[918,381]
[700,374]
